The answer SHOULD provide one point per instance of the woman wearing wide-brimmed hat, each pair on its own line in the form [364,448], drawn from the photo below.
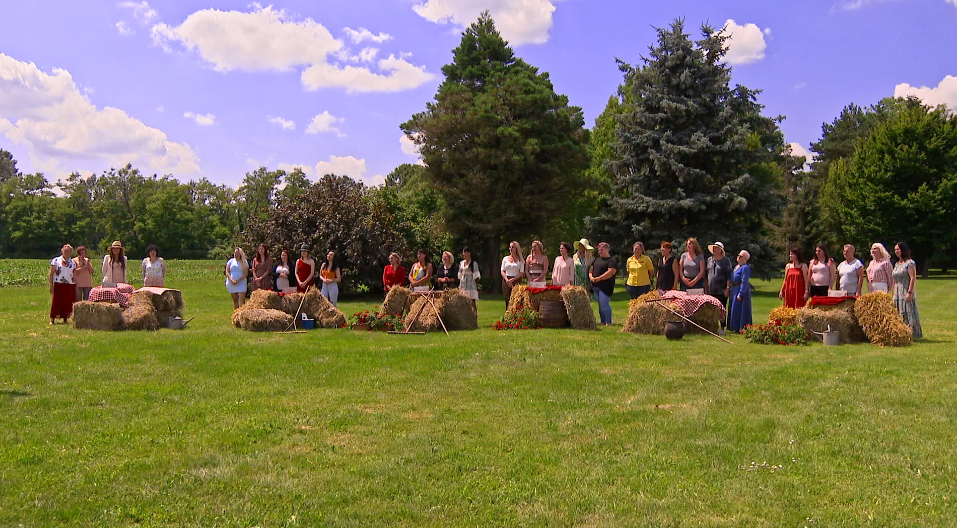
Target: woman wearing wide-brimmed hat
[305,269]
[583,260]
[739,311]
[114,265]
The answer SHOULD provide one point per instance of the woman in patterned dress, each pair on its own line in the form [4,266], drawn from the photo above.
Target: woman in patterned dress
[905,296]
[582,261]
[880,272]
[469,276]
[62,285]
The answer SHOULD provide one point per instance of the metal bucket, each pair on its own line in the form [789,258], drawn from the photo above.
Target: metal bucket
[832,338]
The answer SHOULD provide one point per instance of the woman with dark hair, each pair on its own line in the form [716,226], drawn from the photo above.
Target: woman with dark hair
[114,265]
[447,274]
[905,295]
[62,285]
[794,291]
[563,270]
[331,277]
[153,268]
[82,274]
[469,276]
[284,278]
[692,266]
[668,272]
[420,278]
[262,269]
[823,272]
[305,270]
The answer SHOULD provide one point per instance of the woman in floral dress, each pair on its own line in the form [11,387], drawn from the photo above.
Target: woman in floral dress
[905,298]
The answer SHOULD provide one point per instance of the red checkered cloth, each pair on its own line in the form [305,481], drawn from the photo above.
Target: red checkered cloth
[120,294]
[689,304]
[820,300]
[546,288]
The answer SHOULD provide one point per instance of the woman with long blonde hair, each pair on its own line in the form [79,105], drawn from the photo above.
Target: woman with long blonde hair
[237,270]
[880,271]
[513,269]
[692,266]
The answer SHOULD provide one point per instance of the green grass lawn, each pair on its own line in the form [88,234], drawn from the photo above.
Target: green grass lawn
[213,426]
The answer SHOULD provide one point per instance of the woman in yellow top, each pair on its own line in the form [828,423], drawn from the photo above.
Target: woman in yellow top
[331,277]
[640,272]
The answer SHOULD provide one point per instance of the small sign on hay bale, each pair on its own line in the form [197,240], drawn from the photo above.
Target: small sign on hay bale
[882,323]
[457,311]
[398,301]
[97,316]
[263,320]
[786,315]
[266,300]
[818,321]
[578,305]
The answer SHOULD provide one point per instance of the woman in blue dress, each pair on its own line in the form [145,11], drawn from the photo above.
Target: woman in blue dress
[739,312]
[237,270]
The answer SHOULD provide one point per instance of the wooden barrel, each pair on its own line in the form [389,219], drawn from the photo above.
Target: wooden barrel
[553,314]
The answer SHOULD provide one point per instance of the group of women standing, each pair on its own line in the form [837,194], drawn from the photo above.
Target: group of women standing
[464,275]
[71,278]
[803,281]
[281,275]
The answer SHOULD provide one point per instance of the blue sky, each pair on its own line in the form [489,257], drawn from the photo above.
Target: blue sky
[216,88]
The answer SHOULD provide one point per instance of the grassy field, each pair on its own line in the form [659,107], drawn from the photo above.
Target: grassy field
[212,426]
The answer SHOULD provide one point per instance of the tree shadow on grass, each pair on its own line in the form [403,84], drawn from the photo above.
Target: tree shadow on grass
[10,393]
[926,341]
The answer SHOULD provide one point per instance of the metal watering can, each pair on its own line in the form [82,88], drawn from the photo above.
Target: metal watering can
[830,337]
[177,323]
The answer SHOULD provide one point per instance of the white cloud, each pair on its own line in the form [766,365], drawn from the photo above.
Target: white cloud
[142,11]
[160,109]
[325,122]
[951,2]
[377,180]
[201,119]
[944,94]
[286,124]
[369,54]
[408,146]
[48,114]
[798,150]
[124,29]
[290,167]
[342,166]
[364,34]
[746,43]
[401,76]
[266,39]
[854,5]
[519,21]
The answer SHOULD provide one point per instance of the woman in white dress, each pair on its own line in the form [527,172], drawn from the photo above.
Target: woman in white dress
[513,269]
[469,276]
[850,273]
[237,270]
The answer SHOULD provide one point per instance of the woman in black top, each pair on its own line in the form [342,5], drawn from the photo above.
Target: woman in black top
[667,269]
[447,273]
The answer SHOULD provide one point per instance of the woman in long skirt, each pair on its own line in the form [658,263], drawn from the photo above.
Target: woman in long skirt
[739,313]
[62,285]
[905,294]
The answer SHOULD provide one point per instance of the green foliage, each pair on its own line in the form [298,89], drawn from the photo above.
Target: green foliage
[417,209]
[520,318]
[776,334]
[900,184]
[692,155]
[33,272]
[376,320]
[505,152]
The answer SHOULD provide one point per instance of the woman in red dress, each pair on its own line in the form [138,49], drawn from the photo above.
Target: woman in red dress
[796,286]
[305,269]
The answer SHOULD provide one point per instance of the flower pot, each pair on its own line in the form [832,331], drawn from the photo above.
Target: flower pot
[675,330]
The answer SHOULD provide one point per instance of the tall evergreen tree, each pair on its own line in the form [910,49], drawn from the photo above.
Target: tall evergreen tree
[694,156]
[504,151]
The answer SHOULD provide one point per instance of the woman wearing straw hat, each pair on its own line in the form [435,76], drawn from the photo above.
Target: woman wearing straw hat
[739,313]
[237,271]
[583,260]
[62,285]
[719,267]
[305,269]
[114,265]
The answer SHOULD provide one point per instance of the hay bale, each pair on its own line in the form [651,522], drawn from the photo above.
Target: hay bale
[457,311]
[426,320]
[140,314]
[882,323]
[331,317]
[846,305]
[519,298]
[815,320]
[708,317]
[265,300]
[397,301]
[649,317]
[263,320]
[578,305]
[172,301]
[786,315]
[97,316]
[314,304]
[237,313]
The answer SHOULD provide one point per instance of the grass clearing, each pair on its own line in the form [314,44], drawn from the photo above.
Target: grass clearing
[213,426]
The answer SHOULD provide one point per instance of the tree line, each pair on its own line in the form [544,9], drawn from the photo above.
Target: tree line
[678,152]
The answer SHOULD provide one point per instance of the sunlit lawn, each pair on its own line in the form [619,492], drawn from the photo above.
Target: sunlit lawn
[213,426]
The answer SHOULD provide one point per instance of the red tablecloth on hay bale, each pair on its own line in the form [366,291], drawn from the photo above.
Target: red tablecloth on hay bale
[822,300]
[120,294]
[690,304]
[545,289]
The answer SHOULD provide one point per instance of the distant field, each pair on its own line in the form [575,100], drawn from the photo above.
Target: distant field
[33,272]
[213,426]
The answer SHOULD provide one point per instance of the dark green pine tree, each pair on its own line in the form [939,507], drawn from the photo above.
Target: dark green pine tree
[694,157]
[505,153]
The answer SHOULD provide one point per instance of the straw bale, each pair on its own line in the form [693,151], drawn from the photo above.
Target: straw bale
[816,320]
[786,315]
[314,304]
[708,316]
[846,305]
[172,302]
[265,299]
[519,297]
[426,320]
[649,317]
[97,316]
[882,323]
[237,313]
[457,311]
[264,320]
[141,314]
[578,305]
[397,301]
